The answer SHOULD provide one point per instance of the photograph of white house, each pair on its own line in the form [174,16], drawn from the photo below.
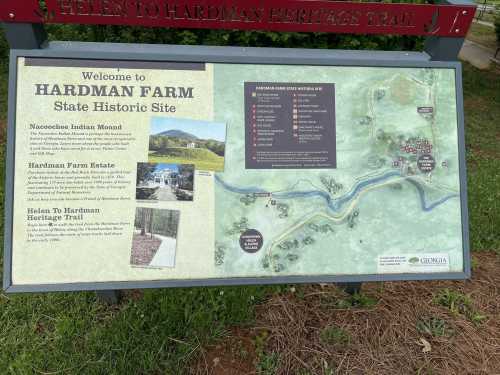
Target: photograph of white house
[165,182]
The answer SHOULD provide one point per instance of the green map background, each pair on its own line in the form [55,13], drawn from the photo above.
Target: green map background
[390,219]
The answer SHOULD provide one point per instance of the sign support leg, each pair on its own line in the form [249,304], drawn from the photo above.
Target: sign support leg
[443,49]
[25,35]
[350,288]
[110,297]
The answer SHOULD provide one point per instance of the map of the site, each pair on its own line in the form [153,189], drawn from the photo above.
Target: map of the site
[155,173]
[391,204]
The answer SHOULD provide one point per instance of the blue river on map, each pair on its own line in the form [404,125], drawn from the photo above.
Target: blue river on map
[335,205]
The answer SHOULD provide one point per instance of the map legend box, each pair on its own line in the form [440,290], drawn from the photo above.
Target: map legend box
[290,125]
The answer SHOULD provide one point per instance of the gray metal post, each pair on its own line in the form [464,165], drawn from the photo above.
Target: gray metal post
[111,297]
[445,48]
[350,288]
[25,35]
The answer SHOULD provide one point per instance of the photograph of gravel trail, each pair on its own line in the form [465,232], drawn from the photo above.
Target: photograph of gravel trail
[154,241]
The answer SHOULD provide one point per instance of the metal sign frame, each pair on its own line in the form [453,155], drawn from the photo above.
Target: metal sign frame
[233,55]
[444,25]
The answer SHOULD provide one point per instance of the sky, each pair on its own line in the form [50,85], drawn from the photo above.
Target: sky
[201,129]
[162,166]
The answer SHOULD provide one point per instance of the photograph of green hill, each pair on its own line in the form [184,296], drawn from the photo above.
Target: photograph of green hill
[185,141]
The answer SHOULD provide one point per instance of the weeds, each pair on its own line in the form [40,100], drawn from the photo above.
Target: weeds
[267,363]
[335,336]
[458,304]
[434,327]
[474,264]
[356,300]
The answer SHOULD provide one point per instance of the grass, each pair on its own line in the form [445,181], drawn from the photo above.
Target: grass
[268,364]
[482,119]
[458,303]
[333,335]
[161,331]
[203,159]
[483,35]
[488,17]
[157,333]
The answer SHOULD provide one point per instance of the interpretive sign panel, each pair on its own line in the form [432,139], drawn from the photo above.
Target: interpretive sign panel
[193,170]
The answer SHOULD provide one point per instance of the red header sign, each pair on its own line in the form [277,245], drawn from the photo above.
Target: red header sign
[273,15]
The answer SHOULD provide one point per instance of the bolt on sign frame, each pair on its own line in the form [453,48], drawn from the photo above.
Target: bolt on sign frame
[444,26]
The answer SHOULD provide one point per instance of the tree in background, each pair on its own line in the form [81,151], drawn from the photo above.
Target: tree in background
[186,176]
[216,147]
[144,170]
[155,221]
[144,220]
[125,34]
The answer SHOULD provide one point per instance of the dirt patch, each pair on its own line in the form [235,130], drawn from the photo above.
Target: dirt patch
[235,355]
[438,327]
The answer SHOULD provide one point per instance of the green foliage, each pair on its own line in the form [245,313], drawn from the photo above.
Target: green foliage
[458,303]
[335,336]
[260,341]
[267,363]
[434,327]
[356,300]
[161,143]
[144,170]
[230,37]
